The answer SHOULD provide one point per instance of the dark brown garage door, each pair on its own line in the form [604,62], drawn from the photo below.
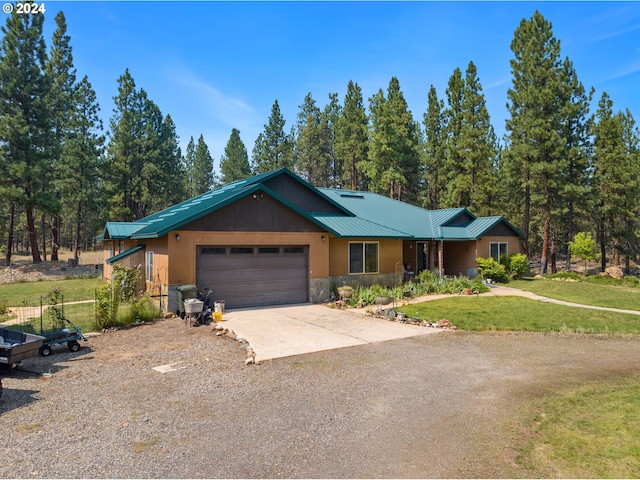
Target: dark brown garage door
[254,275]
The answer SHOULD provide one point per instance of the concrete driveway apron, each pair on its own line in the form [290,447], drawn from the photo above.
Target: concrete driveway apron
[282,331]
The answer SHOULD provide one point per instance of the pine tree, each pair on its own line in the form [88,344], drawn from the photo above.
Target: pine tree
[82,152]
[616,181]
[393,166]
[143,156]
[454,168]
[434,151]
[608,176]
[203,174]
[574,188]
[24,119]
[273,148]
[351,143]
[188,161]
[60,102]
[234,164]
[472,146]
[312,148]
[535,130]
[328,127]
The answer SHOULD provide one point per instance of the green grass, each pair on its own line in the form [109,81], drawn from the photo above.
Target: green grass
[521,314]
[591,431]
[587,293]
[74,289]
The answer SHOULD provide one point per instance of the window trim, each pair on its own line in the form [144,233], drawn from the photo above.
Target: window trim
[148,266]
[364,258]
[506,250]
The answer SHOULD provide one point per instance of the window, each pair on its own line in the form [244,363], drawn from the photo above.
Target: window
[241,250]
[275,250]
[110,250]
[363,257]
[498,251]
[148,266]
[213,251]
[121,248]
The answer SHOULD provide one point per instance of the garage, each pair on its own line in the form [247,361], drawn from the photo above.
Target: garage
[249,276]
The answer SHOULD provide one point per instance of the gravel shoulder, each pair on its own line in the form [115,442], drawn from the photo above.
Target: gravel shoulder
[446,405]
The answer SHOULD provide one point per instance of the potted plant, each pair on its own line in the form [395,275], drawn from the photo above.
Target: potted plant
[345,291]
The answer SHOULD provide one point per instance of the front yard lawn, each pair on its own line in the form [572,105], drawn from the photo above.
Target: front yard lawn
[582,292]
[523,314]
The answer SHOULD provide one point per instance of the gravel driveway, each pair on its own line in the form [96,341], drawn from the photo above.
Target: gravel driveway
[443,405]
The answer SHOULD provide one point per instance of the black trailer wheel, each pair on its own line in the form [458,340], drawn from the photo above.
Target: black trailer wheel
[45,350]
[73,346]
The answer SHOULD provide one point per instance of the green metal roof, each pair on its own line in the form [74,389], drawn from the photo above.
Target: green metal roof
[364,214]
[125,254]
[120,230]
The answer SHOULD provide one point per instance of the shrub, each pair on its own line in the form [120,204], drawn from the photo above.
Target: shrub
[631,281]
[488,268]
[107,302]
[518,264]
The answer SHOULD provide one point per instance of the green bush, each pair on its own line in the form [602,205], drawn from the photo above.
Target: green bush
[107,302]
[140,310]
[571,275]
[631,281]
[488,268]
[518,264]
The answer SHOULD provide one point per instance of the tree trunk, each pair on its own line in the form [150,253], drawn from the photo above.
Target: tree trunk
[567,266]
[603,248]
[12,211]
[31,228]
[55,237]
[545,241]
[526,220]
[554,267]
[44,237]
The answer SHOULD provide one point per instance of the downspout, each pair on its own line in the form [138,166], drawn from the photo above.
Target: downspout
[441,259]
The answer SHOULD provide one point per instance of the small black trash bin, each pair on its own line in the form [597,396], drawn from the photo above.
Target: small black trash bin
[185,292]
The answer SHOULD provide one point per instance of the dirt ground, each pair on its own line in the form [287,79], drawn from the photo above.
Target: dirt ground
[22,269]
[450,405]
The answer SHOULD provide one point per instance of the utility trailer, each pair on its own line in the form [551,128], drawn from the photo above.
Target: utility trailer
[16,346]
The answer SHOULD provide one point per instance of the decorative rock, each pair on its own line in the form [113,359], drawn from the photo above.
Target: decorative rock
[614,272]
[169,315]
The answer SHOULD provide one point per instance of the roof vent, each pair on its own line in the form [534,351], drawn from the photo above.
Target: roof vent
[351,195]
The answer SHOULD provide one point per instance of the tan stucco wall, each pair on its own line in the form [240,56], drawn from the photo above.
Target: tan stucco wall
[389,251]
[483,249]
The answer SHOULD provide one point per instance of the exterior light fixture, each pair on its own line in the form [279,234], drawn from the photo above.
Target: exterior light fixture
[177,236]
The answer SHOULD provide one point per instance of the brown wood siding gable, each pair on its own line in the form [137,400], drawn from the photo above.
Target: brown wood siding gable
[300,196]
[249,214]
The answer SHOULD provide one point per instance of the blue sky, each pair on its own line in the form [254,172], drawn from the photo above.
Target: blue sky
[214,66]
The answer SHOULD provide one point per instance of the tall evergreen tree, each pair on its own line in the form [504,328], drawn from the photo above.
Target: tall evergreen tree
[472,146]
[535,131]
[351,142]
[81,152]
[574,185]
[434,151]
[273,148]
[616,180]
[328,127]
[312,147]
[393,166]
[24,119]
[203,169]
[234,164]
[454,168]
[188,161]
[60,103]
[143,155]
